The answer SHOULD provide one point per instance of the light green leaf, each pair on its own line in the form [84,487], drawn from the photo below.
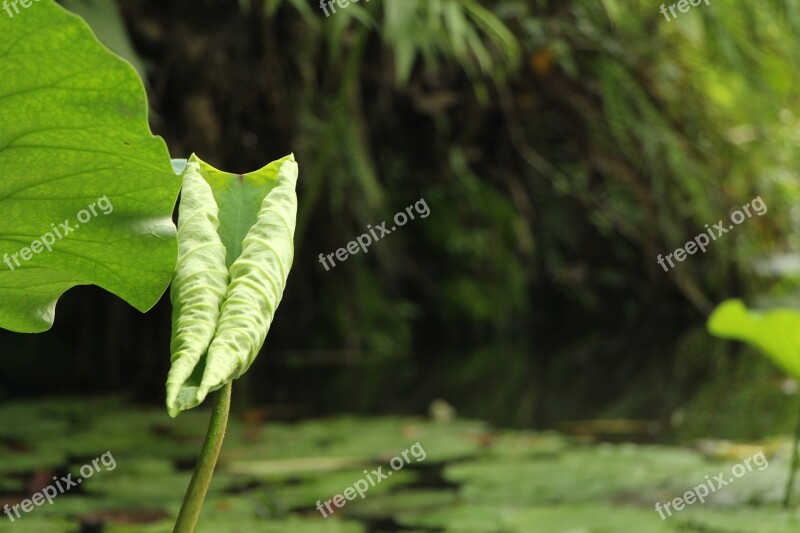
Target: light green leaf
[775,333]
[106,21]
[235,234]
[75,143]
[199,286]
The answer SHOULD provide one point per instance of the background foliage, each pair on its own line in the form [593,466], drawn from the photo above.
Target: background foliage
[561,146]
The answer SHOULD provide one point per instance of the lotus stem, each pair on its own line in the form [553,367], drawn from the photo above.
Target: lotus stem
[790,482]
[204,470]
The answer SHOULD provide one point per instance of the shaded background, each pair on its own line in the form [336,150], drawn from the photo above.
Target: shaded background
[560,146]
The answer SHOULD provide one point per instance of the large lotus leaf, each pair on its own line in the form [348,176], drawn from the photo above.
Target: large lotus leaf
[236,246]
[776,333]
[86,190]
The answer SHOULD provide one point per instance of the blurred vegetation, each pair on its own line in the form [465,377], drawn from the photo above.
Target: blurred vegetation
[560,145]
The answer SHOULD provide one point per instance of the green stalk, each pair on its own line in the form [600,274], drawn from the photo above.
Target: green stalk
[201,479]
[790,482]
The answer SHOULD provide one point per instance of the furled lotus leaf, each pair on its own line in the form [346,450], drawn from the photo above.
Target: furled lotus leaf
[235,241]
